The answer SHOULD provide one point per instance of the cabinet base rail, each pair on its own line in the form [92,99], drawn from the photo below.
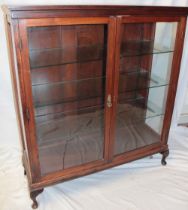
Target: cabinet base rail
[34,194]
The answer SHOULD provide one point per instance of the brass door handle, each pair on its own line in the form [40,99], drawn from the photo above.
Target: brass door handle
[109,101]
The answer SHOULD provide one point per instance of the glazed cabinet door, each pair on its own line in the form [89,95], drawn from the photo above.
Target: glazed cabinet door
[67,67]
[146,78]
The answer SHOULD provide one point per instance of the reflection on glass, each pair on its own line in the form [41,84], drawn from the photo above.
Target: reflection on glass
[145,64]
[68,70]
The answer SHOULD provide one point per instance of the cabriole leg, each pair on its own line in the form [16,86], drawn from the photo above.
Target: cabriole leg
[33,196]
[164,156]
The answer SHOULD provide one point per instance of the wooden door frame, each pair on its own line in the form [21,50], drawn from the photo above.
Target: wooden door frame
[176,64]
[162,145]
[27,88]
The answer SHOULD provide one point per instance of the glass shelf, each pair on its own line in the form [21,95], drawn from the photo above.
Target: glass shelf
[58,56]
[154,81]
[140,77]
[72,112]
[131,112]
[40,58]
[137,80]
[87,113]
[134,70]
[141,47]
[136,108]
[68,81]
[135,111]
[69,100]
[69,91]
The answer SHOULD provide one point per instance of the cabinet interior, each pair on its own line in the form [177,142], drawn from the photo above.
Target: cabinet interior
[68,74]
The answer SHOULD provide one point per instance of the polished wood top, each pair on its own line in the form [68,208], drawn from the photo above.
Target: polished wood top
[90,10]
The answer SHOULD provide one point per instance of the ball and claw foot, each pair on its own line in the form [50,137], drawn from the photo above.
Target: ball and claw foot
[33,196]
[35,205]
[165,155]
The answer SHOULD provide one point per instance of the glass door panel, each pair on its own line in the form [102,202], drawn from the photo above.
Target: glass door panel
[146,53]
[68,75]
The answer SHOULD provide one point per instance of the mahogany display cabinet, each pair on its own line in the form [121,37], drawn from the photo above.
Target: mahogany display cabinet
[94,86]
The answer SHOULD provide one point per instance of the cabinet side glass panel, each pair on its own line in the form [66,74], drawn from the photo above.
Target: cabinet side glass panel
[144,77]
[68,74]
